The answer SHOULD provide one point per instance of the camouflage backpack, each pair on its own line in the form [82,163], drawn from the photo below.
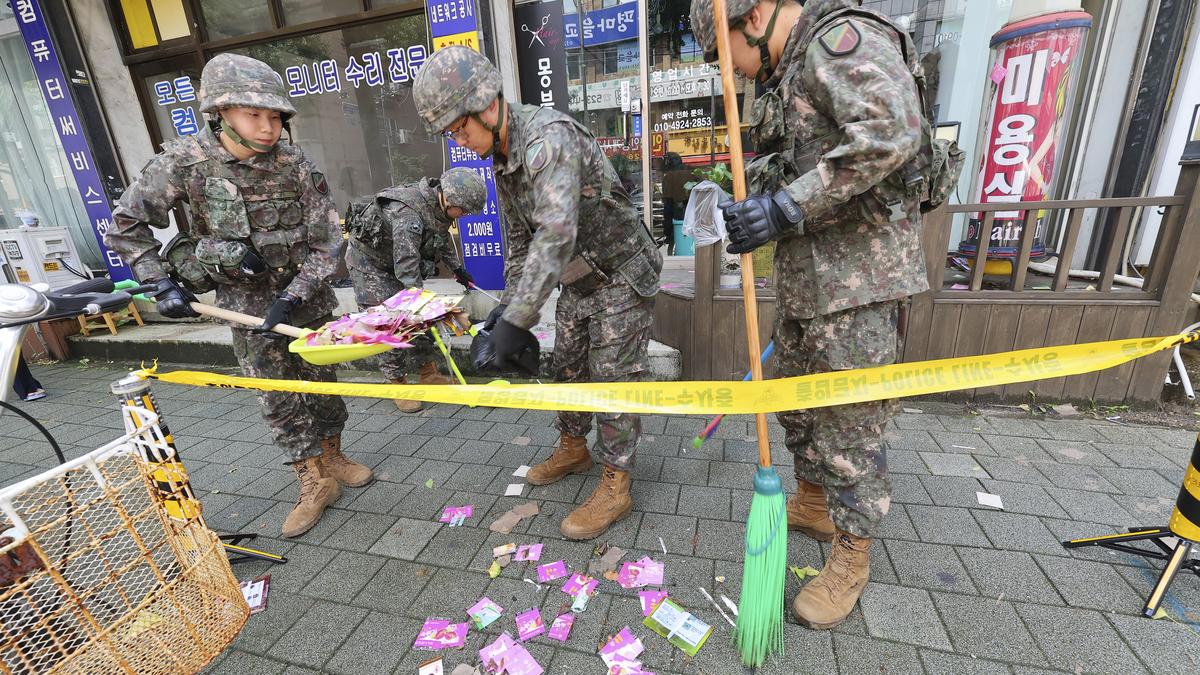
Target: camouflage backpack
[939,162]
[363,220]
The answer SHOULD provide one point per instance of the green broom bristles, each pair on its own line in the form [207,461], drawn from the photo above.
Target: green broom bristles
[759,630]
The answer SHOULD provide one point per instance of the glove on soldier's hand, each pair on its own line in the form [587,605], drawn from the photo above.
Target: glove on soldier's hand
[172,300]
[758,219]
[279,312]
[514,347]
[463,277]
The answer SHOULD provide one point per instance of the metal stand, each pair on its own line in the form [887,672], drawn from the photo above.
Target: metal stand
[181,501]
[1182,527]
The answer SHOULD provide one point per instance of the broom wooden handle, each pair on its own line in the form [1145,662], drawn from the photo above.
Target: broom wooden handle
[245,319]
[737,166]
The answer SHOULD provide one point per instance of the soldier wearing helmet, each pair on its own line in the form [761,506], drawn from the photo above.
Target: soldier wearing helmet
[397,238]
[263,232]
[840,136]
[569,222]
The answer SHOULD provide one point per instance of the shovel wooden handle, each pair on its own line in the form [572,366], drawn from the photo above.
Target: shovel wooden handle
[246,319]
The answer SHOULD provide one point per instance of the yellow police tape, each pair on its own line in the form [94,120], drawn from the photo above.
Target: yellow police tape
[736,398]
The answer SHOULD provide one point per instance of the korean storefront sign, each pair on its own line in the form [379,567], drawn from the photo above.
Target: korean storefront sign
[1034,70]
[674,84]
[540,54]
[601,26]
[453,22]
[178,95]
[56,90]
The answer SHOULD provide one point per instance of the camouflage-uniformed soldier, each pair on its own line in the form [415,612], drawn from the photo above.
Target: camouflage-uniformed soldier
[264,233]
[570,222]
[838,131]
[396,242]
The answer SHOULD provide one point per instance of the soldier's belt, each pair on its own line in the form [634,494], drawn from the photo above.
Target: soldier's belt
[735,398]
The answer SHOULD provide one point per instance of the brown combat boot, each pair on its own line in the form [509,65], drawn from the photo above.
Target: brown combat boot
[609,503]
[570,456]
[340,467]
[827,600]
[429,374]
[808,512]
[316,492]
[405,405]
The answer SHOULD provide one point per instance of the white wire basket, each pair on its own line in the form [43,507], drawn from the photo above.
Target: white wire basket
[106,565]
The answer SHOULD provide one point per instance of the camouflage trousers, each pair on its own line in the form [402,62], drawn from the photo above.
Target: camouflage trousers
[372,289]
[841,447]
[603,340]
[298,422]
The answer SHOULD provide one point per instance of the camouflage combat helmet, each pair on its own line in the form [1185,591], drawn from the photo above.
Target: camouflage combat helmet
[462,187]
[705,33]
[454,82]
[232,80]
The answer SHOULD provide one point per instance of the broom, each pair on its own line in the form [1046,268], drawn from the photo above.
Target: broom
[759,630]
[712,426]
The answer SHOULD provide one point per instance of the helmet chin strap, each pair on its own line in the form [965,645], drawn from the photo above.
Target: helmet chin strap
[237,138]
[764,69]
[502,116]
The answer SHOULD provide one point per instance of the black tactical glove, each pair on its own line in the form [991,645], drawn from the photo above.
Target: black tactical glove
[279,312]
[514,347]
[172,300]
[492,318]
[756,220]
[463,277]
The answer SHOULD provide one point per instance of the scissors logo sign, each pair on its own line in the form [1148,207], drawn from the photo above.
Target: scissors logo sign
[537,34]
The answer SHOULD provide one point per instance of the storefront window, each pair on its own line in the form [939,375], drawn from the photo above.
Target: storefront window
[231,18]
[301,11]
[36,185]
[352,89]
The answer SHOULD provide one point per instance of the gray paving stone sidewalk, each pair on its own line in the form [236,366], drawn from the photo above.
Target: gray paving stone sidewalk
[956,587]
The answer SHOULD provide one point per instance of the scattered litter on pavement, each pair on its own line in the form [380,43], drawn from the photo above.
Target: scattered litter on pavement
[465,669]
[255,593]
[514,489]
[504,560]
[644,572]
[580,582]
[579,604]
[803,572]
[914,411]
[529,553]
[650,600]
[962,447]
[988,499]
[664,546]
[681,628]
[1066,410]
[533,583]
[530,625]
[429,483]
[456,515]
[484,612]
[441,634]
[621,653]
[511,518]
[504,549]
[431,667]
[720,579]
[506,655]
[551,571]
[714,604]
[494,570]
[607,562]
[521,471]
[730,604]
[521,440]
[561,628]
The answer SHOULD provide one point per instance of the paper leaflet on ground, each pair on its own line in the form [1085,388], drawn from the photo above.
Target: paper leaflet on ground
[552,571]
[680,627]
[561,628]
[431,667]
[621,654]
[528,553]
[530,625]
[456,515]
[255,593]
[484,612]
[650,600]
[580,583]
[441,634]
[507,656]
[395,322]
[511,518]
[644,572]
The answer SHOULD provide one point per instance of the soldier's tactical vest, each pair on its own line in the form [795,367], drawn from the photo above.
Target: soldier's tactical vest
[364,216]
[238,227]
[927,179]
[610,239]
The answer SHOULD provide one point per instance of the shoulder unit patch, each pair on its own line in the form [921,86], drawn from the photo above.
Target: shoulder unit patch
[537,156]
[841,39]
[319,182]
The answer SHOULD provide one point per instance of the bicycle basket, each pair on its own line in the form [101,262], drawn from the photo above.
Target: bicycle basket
[97,577]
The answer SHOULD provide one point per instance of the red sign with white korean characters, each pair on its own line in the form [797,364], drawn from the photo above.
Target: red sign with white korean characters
[1034,74]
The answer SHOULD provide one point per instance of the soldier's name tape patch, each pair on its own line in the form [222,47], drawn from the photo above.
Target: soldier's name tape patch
[841,39]
[736,398]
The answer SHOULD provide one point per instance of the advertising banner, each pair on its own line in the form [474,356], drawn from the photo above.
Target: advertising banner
[540,54]
[601,26]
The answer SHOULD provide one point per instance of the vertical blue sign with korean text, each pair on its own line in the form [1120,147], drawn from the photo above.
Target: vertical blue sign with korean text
[56,90]
[453,22]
